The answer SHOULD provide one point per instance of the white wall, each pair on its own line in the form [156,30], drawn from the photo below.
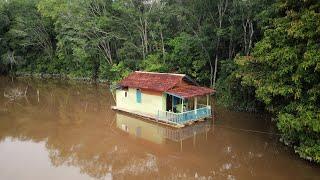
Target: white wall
[150,103]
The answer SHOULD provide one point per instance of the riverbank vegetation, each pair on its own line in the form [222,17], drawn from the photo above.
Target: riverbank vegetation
[256,53]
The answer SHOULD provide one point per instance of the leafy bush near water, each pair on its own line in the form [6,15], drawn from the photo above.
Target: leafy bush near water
[284,69]
[231,94]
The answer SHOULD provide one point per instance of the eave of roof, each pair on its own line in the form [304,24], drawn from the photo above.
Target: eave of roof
[158,73]
[189,91]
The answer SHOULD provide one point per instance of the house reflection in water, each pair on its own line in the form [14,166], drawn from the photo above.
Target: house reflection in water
[158,133]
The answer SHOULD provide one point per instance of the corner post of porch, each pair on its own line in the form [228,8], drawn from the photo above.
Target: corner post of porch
[182,105]
[195,104]
[208,110]
[172,103]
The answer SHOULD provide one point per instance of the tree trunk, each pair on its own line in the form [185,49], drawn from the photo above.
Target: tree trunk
[146,36]
[215,71]
[143,49]
[222,7]
[162,44]
[248,32]
[250,37]
[244,25]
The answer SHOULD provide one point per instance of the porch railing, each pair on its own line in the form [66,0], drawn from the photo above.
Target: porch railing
[184,117]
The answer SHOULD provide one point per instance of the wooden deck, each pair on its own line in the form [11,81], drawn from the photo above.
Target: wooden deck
[154,118]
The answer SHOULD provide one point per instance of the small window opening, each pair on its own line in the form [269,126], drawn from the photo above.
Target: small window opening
[138,96]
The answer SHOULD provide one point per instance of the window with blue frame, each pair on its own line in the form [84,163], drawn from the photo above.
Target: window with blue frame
[138,95]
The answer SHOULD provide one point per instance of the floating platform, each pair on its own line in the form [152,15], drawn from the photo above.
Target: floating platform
[164,121]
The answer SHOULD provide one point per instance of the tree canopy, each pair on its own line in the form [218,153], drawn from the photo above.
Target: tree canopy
[81,38]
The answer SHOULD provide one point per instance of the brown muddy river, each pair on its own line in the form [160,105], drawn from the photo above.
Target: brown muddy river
[52,129]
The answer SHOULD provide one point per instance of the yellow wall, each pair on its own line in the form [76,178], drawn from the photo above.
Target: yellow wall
[150,103]
[164,101]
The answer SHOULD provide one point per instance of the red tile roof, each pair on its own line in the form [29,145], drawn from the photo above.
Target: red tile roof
[165,82]
[189,91]
[152,81]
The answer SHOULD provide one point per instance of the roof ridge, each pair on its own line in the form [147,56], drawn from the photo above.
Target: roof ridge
[174,74]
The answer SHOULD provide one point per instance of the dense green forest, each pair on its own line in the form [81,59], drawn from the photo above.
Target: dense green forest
[256,53]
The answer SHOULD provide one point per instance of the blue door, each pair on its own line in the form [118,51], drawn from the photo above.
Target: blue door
[138,95]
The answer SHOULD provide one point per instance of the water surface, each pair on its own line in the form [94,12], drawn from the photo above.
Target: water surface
[52,129]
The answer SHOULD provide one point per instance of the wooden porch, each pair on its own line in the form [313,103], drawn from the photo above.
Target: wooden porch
[180,110]
[185,117]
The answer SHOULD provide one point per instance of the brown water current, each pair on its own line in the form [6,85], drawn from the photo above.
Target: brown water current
[51,129]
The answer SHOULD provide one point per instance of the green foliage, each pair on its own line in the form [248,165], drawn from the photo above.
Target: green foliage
[188,57]
[154,63]
[25,35]
[119,71]
[300,125]
[76,37]
[285,71]
[230,92]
